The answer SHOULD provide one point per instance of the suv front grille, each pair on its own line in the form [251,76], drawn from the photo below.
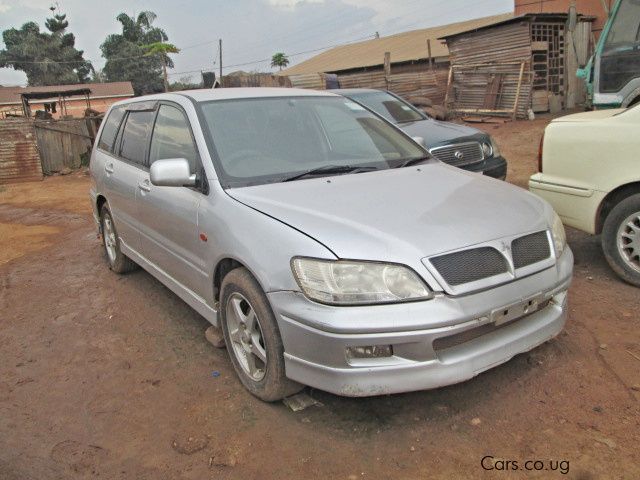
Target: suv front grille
[470,265]
[498,259]
[530,249]
[459,153]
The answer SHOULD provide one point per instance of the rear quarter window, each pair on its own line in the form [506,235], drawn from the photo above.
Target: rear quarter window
[110,129]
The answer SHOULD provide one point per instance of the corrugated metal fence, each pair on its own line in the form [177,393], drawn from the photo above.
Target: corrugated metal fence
[427,83]
[19,159]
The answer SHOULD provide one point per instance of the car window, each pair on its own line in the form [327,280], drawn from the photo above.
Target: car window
[110,129]
[625,30]
[172,137]
[390,107]
[136,132]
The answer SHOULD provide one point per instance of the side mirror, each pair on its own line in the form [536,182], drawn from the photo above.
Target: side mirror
[172,172]
[419,141]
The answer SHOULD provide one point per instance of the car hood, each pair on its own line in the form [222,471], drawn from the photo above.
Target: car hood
[399,215]
[589,116]
[435,132]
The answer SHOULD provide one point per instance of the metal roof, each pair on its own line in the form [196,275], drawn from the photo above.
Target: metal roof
[11,95]
[404,47]
[528,17]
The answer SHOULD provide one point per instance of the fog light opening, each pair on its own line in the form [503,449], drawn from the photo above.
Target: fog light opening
[370,351]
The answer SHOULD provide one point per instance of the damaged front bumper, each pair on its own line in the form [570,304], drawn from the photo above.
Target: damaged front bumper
[433,343]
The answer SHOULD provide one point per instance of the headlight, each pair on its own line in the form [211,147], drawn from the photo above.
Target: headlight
[494,147]
[487,151]
[341,282]
[558,234]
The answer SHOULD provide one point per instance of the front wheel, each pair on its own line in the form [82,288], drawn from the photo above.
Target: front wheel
[252,337]
[621,239]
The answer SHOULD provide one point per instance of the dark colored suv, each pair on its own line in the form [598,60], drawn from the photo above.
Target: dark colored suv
[457,145]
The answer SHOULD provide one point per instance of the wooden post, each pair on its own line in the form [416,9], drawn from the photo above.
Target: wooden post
[429,52]
[515,104]
[387,67]
[446,93]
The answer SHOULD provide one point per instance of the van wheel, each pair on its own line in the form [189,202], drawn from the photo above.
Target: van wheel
[252,337]
[118,261]
[621,239]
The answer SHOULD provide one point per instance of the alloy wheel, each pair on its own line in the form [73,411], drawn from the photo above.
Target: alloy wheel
[629,241]
[246,336]
[110,241]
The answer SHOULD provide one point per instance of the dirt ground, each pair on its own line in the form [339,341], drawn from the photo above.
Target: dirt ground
[110,376]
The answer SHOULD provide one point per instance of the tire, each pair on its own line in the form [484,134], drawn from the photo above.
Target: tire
[118,261]
[252,337]
[621,239]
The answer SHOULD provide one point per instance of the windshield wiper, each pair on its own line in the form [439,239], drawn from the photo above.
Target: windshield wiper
[412,161]
[329,169]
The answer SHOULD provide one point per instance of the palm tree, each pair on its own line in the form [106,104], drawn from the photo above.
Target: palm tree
[162,49]
[279,60]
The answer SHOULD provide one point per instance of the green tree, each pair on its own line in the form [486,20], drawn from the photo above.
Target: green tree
[126,54]
[162,51]
[46,58]
[279,60]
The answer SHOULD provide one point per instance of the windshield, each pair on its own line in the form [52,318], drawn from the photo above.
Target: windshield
[265,140]
[390,107]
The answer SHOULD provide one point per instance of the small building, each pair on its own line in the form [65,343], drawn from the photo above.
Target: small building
[598,9]
[62,100]
[511,66]
[413,63]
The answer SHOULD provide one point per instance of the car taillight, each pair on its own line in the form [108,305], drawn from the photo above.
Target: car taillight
[540,153]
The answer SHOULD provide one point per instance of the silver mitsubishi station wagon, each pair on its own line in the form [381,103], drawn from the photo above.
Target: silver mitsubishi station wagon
[328,247]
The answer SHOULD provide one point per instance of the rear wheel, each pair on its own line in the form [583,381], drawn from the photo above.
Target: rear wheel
[621,239]
[118,261]
[252,337]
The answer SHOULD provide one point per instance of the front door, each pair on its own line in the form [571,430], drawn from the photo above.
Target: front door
[169,233]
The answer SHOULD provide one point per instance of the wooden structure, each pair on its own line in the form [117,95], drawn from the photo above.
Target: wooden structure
[65,144]
[55,96]
[101,97]
[515,65]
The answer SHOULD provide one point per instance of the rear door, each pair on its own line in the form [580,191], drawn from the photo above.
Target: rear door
[125,169]
[170,237]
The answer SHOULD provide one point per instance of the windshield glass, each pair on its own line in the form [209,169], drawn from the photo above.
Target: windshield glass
[265,140]
[391,108]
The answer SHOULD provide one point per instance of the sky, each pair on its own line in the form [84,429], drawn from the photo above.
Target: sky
[251,30]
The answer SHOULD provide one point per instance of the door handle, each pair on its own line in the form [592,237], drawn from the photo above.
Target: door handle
[108,167]
[144,185]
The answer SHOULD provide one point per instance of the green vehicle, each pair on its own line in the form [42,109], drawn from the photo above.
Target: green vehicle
[612,75]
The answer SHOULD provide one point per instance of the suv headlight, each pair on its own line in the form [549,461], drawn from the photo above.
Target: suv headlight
[343,282]
[558,234]
[487,150]
[494,147]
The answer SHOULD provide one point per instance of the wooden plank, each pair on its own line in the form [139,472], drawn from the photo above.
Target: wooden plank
[515,103]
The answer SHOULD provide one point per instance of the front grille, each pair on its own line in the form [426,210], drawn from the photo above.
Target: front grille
[530,249]
[470,265]
[459,154]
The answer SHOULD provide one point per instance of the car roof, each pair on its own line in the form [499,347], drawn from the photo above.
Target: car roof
[351,91]
[209,94]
